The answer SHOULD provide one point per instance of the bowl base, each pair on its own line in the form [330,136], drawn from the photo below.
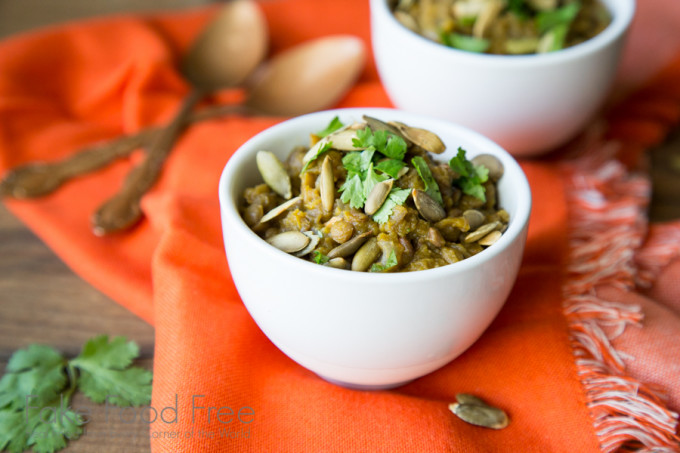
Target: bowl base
[350,385]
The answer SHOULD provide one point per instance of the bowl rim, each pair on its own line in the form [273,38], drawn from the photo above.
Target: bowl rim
[516,228]
[622,11]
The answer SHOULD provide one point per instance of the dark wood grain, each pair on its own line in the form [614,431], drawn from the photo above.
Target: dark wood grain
[43,301]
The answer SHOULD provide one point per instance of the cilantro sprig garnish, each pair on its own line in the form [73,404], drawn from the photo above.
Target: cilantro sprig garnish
[465,42]
[39,380]
[321,148]
[320,258]
[471,177]
[333,126]
[431,186]
[396,197]
[381,158]
[384,142]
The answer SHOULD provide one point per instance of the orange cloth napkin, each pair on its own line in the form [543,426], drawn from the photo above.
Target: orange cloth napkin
[558,358]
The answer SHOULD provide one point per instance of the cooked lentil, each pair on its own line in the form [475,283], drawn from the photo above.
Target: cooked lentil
[339,235]
[504,27]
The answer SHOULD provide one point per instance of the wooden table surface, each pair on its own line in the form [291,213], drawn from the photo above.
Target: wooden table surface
[43,301]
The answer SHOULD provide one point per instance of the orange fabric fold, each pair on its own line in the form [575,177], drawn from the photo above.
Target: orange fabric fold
[65,88]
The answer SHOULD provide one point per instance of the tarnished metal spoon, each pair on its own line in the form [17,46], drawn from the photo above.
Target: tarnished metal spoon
[224,54]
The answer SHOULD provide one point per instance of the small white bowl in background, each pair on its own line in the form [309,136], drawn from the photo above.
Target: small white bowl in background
[370,330]
[529,104]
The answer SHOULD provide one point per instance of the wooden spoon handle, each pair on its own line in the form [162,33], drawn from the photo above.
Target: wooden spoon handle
[42,178]
[123,210]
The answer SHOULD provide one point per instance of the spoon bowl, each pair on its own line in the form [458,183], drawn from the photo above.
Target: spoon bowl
[307,77]
[229,48]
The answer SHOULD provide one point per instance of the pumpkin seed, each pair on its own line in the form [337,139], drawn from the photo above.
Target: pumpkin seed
[428,206]
[283,207]
[313,242]
[327,185]
[406,20]
[474,217]
[492,163]
[487,15]
[343,140]
[273,173]
[349,247]
[466,398]
[378,125]
[366,255]
[290,241]
[377,196]
[340,140]
[427,140]
[338,263]
[480,232]
[490,238]
[486,416]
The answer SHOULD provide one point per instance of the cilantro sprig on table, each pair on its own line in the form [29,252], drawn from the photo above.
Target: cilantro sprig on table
[471,177]
[39,382]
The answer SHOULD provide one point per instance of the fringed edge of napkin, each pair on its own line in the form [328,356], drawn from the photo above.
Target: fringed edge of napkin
[609,245]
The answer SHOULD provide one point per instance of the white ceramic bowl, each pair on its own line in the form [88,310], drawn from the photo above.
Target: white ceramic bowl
[370,330]
[529,104]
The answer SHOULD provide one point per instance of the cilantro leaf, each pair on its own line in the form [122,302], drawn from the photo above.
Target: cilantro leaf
[129,387]
[333,126]
[546,20]
[320,258]
[553,39]
[396,197]
[46,426]
[36,390]
[431,186]
[52,429]
[321,147]
[391,167]
[366,138]
[372,178]
[353,192]
[390,263]
[519,8]
[471,176]
[359,166]
[118,353]
[465,42]
[361,170]
[352,162]
[384,142]
[104,373]
[37,370]
[365,160]
[14,434]
[395,148]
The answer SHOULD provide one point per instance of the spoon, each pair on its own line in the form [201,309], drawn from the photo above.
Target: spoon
[223,55]
[307,77]
[274,96]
